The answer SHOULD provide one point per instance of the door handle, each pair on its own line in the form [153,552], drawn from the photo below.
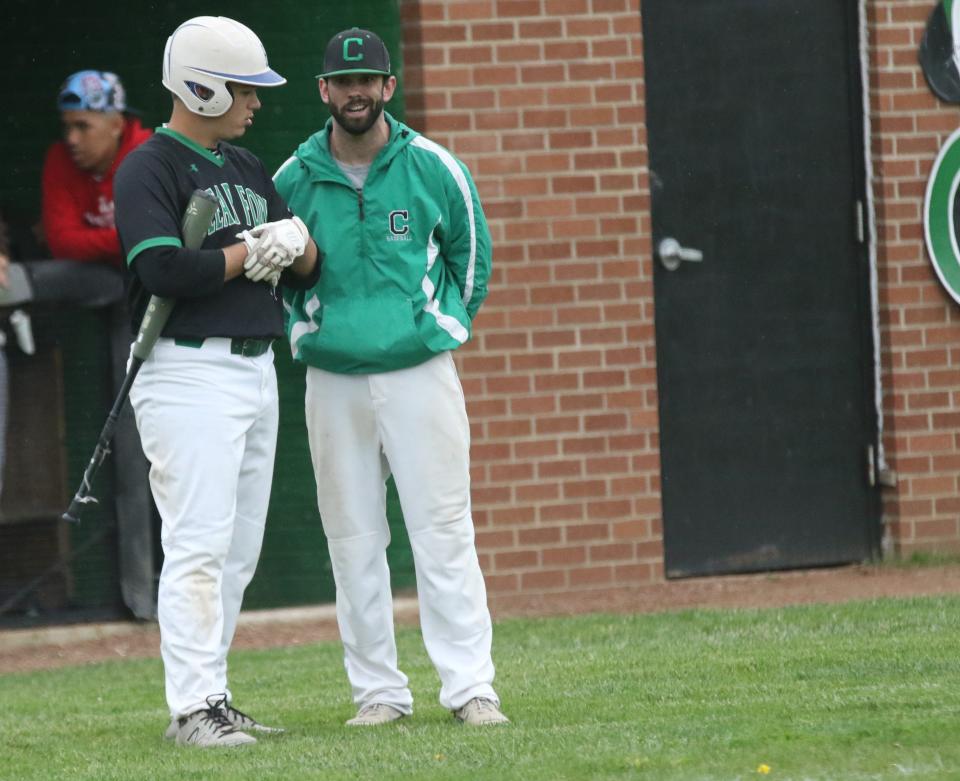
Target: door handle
[672,254]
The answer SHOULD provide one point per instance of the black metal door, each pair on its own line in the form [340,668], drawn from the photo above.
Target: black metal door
[764,345]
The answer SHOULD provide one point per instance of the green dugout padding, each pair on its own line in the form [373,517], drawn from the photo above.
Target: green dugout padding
[42,44]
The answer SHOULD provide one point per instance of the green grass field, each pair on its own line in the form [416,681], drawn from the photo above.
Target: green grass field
[867,690]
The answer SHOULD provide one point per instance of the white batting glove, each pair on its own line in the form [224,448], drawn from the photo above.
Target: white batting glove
[273,246]
[254,267]
[283,237]
[257,268]
[251,242]
[249,239]
[273,278]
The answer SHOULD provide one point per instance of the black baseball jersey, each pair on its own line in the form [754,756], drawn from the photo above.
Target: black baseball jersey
[152,188]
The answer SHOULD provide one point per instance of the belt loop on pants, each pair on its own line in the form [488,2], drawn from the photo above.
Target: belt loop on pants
[188,342]
[248,347]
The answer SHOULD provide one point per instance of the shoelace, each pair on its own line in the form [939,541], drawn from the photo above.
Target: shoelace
[235,716]
[216,714]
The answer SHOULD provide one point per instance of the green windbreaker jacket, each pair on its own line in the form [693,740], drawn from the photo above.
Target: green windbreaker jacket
[406,261]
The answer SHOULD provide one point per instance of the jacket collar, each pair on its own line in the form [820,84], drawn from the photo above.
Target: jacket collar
[315,154]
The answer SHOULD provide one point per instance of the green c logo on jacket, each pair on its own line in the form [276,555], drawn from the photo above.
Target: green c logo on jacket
[398,222]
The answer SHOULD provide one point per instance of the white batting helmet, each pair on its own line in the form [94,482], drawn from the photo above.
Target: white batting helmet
[206,52]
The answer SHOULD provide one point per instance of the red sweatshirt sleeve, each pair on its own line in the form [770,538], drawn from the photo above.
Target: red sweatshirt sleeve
[68,235]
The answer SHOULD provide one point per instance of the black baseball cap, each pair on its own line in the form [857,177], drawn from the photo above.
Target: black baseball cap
[355,51]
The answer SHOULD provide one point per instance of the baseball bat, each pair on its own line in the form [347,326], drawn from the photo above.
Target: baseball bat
[196,221]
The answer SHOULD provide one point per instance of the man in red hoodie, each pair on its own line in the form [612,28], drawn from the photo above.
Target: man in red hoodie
[98,132]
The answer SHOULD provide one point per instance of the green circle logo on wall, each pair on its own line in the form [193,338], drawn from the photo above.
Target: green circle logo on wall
[938,215]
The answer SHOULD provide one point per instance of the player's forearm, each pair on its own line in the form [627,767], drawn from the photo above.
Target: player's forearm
[234,256]
[304,272]
[175,272]
[304,265]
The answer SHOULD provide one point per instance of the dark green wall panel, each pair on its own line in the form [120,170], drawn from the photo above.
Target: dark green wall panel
[44,42]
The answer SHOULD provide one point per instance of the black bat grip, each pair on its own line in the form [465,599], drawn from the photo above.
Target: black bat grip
[72,515]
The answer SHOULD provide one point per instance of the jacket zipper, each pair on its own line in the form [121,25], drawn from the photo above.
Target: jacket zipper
[360,203]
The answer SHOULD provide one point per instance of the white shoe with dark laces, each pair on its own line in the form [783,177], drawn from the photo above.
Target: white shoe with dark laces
[237,718]
[373,714]
[480,712]
[242,721]
[210,728]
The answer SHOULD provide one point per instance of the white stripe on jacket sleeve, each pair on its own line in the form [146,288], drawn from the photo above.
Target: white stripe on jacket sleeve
[450,162]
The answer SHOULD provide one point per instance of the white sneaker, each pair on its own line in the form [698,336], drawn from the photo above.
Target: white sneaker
[237,718]
[210,728]
[242,721]
[373,714]
[480,712]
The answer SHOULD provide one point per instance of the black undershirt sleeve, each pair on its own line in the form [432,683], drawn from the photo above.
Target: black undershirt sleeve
[177,272]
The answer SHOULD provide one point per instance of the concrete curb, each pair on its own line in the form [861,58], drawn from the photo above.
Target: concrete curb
[405,610]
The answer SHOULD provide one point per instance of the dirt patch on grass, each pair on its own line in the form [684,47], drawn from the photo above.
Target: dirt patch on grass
[25,650]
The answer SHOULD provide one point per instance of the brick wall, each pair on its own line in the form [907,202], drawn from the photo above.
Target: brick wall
[543,100]
[920,323]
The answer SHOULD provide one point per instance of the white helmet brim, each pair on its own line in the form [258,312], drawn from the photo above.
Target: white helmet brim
[269,78]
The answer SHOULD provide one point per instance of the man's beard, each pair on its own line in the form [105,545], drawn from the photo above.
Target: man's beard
[357,126]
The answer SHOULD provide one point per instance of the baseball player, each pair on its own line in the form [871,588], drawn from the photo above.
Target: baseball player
[407,270]
[206,397]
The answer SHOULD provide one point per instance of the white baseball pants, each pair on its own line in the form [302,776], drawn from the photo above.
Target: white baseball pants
[412,422]
[208,424]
